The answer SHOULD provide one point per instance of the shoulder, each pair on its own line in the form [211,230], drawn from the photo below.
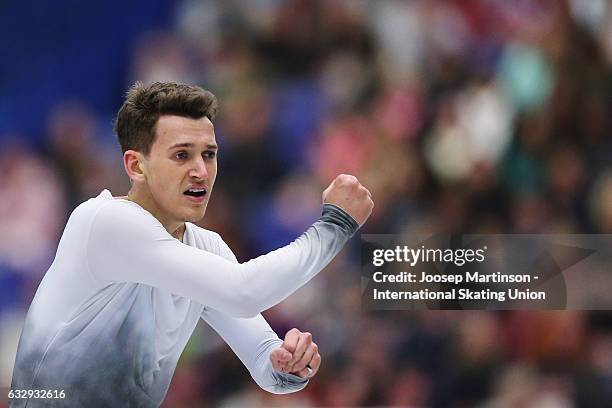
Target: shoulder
[108,206]
[211,241]
[203,232]
[124,211]
[118,219]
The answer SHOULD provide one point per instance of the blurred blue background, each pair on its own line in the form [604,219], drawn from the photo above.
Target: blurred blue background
[482,116]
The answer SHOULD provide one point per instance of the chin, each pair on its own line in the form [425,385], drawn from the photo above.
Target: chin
[195,216]
[194,219]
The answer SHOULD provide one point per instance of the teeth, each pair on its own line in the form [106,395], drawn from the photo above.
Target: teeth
[197,190]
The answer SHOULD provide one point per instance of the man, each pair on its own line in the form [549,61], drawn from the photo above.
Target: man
[133,275]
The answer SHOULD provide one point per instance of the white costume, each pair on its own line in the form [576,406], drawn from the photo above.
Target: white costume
[117,306]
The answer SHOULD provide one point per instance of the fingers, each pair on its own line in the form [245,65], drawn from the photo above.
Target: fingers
[326,191]
[291,340]
[315,363]
[303,344]
[347,193]
[281,356]
[341,181]
[347,180]
[305,373]
[298,355]
[312,367]
[366,191]
[280,359]
[310,352]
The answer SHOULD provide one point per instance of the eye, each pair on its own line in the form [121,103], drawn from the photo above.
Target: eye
[181,155]
[209,154]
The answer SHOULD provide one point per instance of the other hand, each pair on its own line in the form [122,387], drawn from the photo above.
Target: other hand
[297,355]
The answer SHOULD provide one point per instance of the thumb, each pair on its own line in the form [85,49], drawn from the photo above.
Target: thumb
[304,373]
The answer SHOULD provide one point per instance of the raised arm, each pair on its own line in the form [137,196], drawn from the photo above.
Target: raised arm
[126,244]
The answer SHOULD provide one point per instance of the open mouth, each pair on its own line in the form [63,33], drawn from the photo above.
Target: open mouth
[195,192]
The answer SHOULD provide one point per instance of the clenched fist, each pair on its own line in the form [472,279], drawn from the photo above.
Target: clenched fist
[347,193]
[297,355]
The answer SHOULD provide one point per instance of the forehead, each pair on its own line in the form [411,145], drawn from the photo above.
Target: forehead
[171,129]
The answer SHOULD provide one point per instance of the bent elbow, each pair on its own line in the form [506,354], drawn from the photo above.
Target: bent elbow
[243,313]
[245,305]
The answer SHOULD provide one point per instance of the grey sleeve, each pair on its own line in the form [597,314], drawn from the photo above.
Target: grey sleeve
[128,244]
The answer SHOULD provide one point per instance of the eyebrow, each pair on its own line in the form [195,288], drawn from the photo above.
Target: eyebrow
[191,145]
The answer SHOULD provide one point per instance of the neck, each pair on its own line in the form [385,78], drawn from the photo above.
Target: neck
[145,200]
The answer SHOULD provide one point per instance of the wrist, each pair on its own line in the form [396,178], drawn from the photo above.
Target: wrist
[336,215]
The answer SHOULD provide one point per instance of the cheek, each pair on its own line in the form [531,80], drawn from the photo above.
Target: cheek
[164,183]
[212,172]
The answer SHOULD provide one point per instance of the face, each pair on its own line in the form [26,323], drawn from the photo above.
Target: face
[180,170]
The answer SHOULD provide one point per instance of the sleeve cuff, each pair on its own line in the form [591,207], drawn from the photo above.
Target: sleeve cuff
[333,214]
[288,379]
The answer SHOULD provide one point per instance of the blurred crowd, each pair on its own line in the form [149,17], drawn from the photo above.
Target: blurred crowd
[483,116]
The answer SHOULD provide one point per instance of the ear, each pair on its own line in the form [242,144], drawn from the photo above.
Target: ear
[134,165]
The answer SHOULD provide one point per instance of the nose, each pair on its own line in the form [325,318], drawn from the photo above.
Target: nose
[199,169]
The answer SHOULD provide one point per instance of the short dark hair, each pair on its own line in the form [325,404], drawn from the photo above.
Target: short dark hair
[143,105]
